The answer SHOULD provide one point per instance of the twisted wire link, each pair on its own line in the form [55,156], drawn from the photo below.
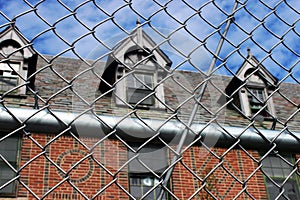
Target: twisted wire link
[78,44]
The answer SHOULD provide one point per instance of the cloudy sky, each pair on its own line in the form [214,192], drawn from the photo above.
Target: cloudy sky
[186,30]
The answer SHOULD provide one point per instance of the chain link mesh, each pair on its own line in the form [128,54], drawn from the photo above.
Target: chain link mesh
[100,141]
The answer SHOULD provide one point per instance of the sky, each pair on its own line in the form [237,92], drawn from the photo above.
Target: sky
[188,31]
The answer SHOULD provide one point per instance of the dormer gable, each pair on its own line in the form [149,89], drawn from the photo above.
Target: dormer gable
[252,71]
[11,40]
[134,68]
[251,89]
[140,40]
[17,62]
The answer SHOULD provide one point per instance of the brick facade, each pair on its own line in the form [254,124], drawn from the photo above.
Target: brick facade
[68,157]
[45,176]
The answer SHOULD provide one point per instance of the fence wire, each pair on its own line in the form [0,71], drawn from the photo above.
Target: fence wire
[149,100]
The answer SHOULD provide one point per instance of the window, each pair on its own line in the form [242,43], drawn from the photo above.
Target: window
[278,171]
[9,150]
[137,54]
[142,180]
[256,98]
[138,87]
[136,81]
[18,58]
[8,75]
[140,184]
[253,101]
[251,89]
[139,84]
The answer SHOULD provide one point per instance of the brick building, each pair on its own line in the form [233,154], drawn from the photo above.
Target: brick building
[69,127]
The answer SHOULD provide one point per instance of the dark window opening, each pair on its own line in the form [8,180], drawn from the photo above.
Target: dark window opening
[256,97]
[141,179]
[9,151]
[139,86]
[278,170]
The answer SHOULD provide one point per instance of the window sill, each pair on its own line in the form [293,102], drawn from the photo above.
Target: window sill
[268,119]
[19,96]
[263,118]
[13,198]
[141,107]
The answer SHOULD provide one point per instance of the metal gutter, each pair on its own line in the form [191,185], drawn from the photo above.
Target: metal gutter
[133,129]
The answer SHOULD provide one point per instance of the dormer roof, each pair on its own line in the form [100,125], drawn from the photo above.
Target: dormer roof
[252,64]
[139,39]
[12,33]
[251,72]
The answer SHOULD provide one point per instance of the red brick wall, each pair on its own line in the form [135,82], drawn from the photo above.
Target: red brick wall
[41,175]
[223,173]
[229,171]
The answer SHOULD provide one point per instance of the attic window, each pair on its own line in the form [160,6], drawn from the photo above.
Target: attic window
[251,89]
[17,63]
[254,100]
[257,99]
[139,87]
[140,83]
[9,75]
[137,55]
[136,80]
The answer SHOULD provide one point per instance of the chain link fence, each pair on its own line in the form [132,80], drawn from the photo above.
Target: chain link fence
[149,99]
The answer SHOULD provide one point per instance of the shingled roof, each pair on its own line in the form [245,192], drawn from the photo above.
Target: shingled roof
[68,84]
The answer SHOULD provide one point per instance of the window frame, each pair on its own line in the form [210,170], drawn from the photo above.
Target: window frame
[10,65]
[281,178]
[20,74]
[143,89]
[16,165]
[137,170]
[264,111]
[267,113]
[144,64]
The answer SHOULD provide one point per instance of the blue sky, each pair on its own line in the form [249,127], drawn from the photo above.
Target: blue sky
[271,28]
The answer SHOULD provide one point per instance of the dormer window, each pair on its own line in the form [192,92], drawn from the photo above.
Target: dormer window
[134,72]
[139,89]
[257,100]
[254,100]
[251,89]
[138,76]
[17,62]
[9,78]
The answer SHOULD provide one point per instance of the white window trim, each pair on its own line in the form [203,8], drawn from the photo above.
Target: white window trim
[22,73]
[121,88]
[245,104]
[145,88]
